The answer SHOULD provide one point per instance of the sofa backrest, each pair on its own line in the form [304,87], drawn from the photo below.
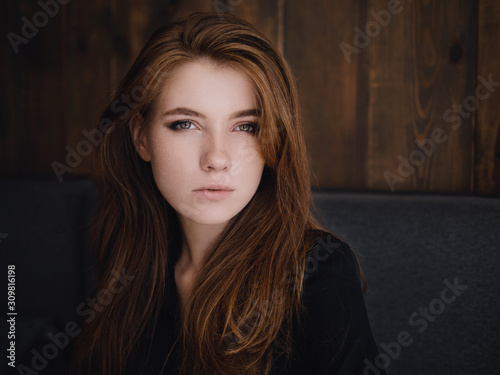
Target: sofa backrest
[44,230]
[432,263]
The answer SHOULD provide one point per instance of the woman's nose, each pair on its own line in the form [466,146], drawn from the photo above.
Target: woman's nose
[215,156]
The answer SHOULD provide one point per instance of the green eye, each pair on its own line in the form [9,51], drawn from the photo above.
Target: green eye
[181,125]
[247,128]
[185,125]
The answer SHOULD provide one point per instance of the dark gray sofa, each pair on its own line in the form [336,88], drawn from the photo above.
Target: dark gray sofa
[432,263]
[412,247]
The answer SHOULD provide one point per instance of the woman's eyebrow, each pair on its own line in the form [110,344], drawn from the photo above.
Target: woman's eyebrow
[191,112]
[246,113]
[183,111]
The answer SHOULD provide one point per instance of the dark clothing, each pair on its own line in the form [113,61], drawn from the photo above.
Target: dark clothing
[334,336]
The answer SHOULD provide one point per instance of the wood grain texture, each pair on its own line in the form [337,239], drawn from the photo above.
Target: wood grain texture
[487,129]
[40,71]
[267,16]
[421,64]
[88,38]
[186,7]
[11,112]
[332,89]
[365,110]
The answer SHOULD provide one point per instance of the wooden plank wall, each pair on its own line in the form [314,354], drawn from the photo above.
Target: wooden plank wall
[395,94]
[487,116]
[420,65]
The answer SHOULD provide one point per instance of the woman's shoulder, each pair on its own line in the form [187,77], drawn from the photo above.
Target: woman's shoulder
[330,263]
[336,336]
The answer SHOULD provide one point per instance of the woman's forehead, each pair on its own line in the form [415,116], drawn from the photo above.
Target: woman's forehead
[206,87]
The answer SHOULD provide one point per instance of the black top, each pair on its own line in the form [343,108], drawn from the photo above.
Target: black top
[334,338]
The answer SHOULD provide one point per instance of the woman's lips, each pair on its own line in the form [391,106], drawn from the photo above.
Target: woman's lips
[213,194]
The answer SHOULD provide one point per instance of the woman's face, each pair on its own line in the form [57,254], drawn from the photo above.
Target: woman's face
[200,140]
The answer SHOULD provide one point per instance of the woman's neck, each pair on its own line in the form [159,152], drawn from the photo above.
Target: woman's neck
[196,240]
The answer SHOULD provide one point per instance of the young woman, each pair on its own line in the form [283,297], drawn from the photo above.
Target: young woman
[205,203]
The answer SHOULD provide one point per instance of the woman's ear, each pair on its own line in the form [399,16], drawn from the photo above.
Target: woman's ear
[139,137]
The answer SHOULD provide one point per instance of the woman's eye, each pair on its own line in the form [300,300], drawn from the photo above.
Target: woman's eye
[185,125]
[247,128]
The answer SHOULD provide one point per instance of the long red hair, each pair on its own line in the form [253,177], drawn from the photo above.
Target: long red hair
[243,301]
